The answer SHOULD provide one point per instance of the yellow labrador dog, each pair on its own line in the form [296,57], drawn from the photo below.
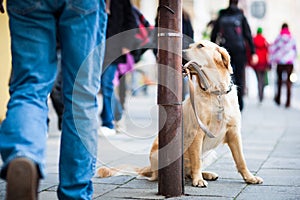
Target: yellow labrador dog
[216,104]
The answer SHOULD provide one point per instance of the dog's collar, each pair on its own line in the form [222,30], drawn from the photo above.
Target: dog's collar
[193,68]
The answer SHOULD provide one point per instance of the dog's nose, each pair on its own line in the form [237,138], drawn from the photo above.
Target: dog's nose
[199,46]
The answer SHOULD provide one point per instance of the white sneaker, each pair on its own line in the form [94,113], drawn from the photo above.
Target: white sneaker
[105,131]
[120,125]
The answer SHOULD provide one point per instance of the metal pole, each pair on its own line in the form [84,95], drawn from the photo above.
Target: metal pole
[170,175]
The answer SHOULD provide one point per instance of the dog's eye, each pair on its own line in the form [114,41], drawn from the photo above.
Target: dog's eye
[199,46]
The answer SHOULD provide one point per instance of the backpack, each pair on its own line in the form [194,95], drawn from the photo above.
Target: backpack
[143,36]
[230,33]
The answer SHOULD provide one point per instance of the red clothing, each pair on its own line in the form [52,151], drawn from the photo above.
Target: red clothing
[261,47]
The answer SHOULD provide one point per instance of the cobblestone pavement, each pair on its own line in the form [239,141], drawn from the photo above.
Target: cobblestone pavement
[271,141]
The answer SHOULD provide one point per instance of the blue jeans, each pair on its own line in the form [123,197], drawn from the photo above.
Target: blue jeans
[109,99]
[118,109]
[34,27]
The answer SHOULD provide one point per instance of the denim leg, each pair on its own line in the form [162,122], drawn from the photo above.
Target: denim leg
[117,107]
[24,131]
[107,89]
[82,35]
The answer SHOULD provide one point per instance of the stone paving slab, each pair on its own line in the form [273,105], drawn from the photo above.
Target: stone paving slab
[270,192]
[271,142]
[223,188]
[280,177]
[2,189]
[48,195]
[115,180]
[102,189]
[282,163]
[201,198]
[125,193]
[50,181]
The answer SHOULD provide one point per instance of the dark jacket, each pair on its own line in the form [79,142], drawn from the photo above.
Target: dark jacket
[120,20]
[187,30]
[246,32]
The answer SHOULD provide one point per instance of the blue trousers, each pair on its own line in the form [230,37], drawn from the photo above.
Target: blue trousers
[34,27]
[112,109]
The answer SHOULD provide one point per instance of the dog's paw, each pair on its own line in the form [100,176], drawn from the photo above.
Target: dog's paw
[210,176]
[254,180]
[154,176]
[199,183]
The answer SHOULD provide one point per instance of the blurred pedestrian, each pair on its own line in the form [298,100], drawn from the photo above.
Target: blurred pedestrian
[187,39]
[119,42]
[231,30]
[144,38]
[187,30]
[112,108]
[261,67]
[283,53]
[34,27]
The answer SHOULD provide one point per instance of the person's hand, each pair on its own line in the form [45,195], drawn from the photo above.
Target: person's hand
[125,51]
[1,6]
[254,59]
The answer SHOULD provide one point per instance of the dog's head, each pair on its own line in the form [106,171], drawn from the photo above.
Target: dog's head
[214,59]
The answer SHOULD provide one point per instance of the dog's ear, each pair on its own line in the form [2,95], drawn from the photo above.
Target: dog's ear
[225,58]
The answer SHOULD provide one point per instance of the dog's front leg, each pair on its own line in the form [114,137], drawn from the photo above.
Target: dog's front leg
[194,152]
[235,144]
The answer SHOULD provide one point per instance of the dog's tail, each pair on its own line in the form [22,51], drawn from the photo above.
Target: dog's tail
[104,172]
[141,173]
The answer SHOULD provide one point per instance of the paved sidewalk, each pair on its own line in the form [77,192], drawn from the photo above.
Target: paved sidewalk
[271,138]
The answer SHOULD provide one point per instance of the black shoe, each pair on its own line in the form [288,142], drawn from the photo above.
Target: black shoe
[287,105]
[277,101]
[22,180]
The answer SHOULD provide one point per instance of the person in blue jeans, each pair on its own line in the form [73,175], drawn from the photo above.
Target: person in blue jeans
[34,27]
[120,40]
[110,102]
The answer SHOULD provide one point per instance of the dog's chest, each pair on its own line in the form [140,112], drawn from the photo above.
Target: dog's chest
[212,143]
